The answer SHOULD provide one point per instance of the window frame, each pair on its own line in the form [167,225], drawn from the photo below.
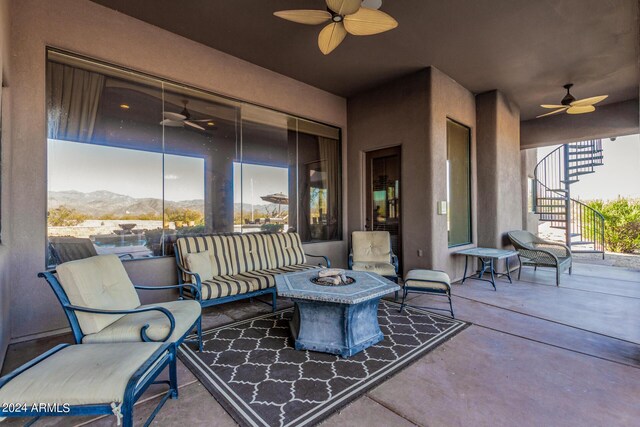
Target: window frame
[101,64]
[469,183]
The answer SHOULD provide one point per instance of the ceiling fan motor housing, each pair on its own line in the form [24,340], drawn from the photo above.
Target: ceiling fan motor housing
[568,98]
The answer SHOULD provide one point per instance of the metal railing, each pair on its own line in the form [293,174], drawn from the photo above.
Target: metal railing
[553,176]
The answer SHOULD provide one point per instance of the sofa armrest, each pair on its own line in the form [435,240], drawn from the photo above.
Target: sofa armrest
[198,284]
[326,259]
[143,330]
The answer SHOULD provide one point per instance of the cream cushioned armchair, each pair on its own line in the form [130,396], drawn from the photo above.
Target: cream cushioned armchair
[102,305]
[371,252]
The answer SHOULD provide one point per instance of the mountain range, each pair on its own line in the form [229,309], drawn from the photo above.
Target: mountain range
[99,203]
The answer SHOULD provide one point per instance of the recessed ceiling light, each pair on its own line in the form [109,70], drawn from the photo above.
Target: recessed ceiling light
[124,106]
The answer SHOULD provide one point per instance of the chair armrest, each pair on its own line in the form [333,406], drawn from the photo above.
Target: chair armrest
[193,287]
[394,261]
[562,245]
[143,330]
[326,259]
[198,284]
[125,256]
[350,260]
[531,254]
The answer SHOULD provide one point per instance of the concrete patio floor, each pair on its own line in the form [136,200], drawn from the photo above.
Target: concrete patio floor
[536,354]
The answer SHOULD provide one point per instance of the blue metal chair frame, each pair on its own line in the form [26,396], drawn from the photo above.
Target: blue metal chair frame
[406,289]
[217,301]
[164,356]
[70,312]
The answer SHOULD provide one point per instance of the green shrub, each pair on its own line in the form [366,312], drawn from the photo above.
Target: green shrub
[65,217]
[621,224]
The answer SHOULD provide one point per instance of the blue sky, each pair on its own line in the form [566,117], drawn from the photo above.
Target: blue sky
[88,167]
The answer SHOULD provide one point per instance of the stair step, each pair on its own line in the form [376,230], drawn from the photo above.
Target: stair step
[582,242]
[580,173]
[580,159]
[578,167]
[569,181]
[559,190]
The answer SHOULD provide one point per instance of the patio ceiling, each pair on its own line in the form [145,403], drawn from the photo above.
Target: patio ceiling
[526,49]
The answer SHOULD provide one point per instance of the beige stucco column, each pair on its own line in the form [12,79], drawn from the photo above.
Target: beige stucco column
[499,179]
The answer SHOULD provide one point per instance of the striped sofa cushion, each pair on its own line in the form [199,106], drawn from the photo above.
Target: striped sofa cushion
[285,249]
[222,263]
[249,252]
[224,286]
[267,278]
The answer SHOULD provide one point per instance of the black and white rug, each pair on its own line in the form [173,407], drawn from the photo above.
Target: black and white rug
[252,369]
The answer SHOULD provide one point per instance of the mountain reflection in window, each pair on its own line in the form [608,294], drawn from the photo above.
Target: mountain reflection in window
[135,162]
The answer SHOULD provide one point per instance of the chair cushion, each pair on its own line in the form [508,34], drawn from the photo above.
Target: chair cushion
[127,328]
[249,252]
[371,246]
[381,268]
[218,246]
[80,375]
[428,279]
[225,286]
[200,263]
[264,279]
[98,282]
[285,249]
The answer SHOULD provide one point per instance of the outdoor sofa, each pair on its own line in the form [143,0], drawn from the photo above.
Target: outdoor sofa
[227,267]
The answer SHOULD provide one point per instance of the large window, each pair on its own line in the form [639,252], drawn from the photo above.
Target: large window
[458,183]
[135,161]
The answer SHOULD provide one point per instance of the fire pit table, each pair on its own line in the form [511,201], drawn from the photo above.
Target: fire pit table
[336,319]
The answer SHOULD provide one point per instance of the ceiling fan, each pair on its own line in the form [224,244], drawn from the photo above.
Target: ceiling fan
[572,105]
[356,17]
[183,119]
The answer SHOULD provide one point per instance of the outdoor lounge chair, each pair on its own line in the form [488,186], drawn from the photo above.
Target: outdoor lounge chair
[64,249]
[102,305]
[537,252]
[88,379]
[371,252]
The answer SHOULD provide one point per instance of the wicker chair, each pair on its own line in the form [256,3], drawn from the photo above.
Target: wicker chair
[537,252]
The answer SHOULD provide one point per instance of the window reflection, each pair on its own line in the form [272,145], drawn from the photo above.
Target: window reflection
[135,162]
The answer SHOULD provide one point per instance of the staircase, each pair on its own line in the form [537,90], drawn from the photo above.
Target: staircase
[554,174]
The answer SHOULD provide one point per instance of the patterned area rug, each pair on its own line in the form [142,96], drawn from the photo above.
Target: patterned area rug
[251,368]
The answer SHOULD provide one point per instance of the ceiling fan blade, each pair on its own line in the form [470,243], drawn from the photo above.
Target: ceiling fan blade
[588,101]
[554,106]
[172,123]
[308,17]
[193,125]
[581,109]
[331,36]
[202,120]
[344,7]
[173,116]
[366,22]
[553,112]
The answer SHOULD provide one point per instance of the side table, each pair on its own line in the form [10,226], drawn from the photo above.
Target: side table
[487,256]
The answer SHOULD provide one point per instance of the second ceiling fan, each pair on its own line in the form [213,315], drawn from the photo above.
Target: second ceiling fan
[356,17]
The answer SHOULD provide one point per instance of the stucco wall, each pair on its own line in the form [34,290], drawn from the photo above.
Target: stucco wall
[87,28]
[4,170]
[448,100]
[390,115]
[528,161]
[499,178]
[412,112]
